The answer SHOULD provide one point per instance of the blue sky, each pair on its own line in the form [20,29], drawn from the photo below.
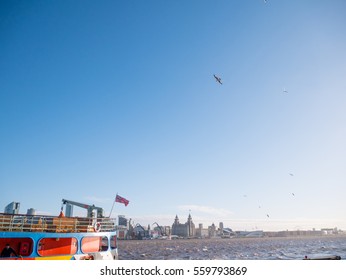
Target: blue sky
[106,97]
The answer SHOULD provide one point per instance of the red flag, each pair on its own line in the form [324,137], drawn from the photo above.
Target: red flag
[120,199]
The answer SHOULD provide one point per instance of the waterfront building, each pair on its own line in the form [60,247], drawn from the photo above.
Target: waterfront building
[122,227]
[202,232]
[167,230]
[122,221]
[183,230]
[212,231]
[12,208]
[31,211]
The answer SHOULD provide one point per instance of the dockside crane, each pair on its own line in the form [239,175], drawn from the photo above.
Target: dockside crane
[160,228]
[90,208]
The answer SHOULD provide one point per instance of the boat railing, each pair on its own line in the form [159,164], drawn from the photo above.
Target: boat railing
[40,223]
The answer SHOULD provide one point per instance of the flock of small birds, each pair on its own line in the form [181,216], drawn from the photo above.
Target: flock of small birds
[260,205]
[218,79]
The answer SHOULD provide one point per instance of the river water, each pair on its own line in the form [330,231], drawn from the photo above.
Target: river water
[267,248]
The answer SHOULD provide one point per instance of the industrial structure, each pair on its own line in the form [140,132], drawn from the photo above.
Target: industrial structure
[90,209]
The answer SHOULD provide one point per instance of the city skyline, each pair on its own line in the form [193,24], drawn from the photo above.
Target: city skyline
[233,110]
[236,225]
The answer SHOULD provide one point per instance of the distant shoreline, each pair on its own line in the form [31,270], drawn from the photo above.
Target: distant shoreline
[328,236]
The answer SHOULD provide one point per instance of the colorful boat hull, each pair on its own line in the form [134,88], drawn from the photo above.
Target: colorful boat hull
[58,238]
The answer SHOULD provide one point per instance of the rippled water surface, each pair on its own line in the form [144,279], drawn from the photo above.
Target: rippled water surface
[233,249]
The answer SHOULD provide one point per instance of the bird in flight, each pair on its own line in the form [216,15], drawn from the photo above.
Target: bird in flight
[218,79]
[293,194]
[267,215]
[291,174]
[285,91]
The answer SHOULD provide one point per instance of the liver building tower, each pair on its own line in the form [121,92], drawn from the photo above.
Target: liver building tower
[184,230]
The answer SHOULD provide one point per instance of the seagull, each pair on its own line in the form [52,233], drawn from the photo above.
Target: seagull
[218,79]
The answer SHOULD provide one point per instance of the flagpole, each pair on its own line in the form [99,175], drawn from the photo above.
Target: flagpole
[112,207]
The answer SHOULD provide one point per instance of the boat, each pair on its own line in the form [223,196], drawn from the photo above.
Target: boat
[227,233]
[248,234]
[40,237]
[321,257]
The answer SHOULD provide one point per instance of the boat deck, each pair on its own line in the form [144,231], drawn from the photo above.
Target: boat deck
[38,223]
